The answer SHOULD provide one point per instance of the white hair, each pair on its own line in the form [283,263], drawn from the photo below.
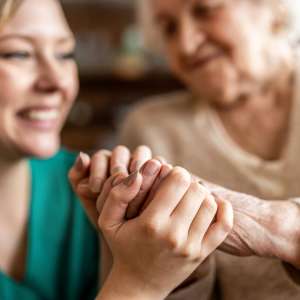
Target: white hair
[153,42]
[293,7]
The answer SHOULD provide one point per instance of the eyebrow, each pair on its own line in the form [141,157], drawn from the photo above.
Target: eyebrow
[28,38]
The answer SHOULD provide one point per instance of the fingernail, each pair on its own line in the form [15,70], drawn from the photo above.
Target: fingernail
[130,179]
[117,169]
[79,162]
[117,180]
[95,185]
[150,168]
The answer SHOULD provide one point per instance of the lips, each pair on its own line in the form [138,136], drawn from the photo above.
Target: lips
[45,118]
[200,62]
[40,114]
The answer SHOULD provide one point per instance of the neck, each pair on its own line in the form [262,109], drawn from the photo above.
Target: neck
[264,116]
[14,180]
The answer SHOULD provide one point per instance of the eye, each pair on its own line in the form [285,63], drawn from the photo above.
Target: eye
[201,11]
[66,56]
[169,28]
[15,55]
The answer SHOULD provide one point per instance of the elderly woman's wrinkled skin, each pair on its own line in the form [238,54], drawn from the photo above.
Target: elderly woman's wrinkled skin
[223,51]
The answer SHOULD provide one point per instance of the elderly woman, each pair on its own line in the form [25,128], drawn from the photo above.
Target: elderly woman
[238,126]
[48,249]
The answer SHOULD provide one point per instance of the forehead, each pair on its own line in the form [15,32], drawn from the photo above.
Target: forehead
[38,18]
[175,6]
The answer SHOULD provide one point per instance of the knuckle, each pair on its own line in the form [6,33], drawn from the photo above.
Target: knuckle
[181,176]
[174,241]
[198,190]
[152,227]
[188,252]
[211,206]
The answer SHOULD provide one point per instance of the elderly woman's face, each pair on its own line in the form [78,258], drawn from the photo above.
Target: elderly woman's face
[38,78]
[219,48]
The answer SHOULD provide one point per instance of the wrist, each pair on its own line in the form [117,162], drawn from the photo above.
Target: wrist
[122,286]
[285,231]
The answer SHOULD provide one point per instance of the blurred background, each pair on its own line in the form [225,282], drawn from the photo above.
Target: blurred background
[115,70]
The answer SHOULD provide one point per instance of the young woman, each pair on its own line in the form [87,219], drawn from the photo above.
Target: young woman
[48,249]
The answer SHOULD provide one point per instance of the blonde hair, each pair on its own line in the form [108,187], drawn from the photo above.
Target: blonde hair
[7,9]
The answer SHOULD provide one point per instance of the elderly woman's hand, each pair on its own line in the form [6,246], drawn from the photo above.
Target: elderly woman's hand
[262,228]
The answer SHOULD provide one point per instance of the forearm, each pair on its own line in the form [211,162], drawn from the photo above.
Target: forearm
[263,228]
[106,260]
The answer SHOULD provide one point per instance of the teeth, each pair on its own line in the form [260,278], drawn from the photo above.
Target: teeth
[40,115]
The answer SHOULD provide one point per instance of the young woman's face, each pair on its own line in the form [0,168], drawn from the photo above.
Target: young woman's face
[219,48]
[38,79]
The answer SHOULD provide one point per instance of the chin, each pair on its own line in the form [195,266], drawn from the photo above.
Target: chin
[42,150]
[219,95]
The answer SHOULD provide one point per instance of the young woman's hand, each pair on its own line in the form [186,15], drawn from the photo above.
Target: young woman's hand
[161,247]
[88,174]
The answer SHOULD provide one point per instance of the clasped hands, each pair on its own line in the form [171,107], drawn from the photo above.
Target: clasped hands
[159,223]
[165,210]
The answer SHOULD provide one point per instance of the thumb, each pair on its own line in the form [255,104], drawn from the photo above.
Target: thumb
[114,211]
[79,170]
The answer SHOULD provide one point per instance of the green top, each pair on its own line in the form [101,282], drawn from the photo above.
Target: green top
[62,251]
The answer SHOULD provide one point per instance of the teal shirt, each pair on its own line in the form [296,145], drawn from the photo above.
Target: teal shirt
[62,251]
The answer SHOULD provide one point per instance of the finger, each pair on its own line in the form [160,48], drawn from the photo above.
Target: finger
[108,185]
[149,172]
[169,193]
[140,155]
[79,170]
[219,230]
[164,172]
[119,160]
[161,159]
[87,199]
[204,218]
[114,210]
[185,212]
[99,170]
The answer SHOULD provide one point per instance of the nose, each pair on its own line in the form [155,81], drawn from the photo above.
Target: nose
[50,76]
[191,36]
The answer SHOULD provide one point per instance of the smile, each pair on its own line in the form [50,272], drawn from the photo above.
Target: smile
[202,61]
[42,115]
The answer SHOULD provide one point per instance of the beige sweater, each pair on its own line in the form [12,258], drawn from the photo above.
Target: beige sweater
[195,138]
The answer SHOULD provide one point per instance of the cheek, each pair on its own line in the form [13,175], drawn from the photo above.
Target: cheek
[13,84]
[72,85]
